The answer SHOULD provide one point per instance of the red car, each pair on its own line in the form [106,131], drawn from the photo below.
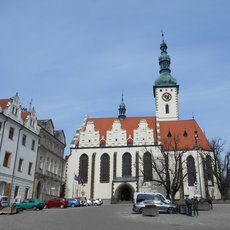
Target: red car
[56,202]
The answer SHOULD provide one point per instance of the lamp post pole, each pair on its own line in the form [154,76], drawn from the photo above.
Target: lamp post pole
[198,161]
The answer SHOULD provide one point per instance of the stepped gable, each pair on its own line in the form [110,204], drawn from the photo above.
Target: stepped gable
[129,124]
[186,131]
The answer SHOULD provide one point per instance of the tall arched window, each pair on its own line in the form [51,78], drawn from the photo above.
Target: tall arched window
[105,167]
[83,168]
[166,108]
[148,174]
[126,165]
[191,171]
[209,169]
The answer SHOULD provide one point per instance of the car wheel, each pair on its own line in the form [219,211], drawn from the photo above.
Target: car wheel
[62,206]
[170,210]
[140,210]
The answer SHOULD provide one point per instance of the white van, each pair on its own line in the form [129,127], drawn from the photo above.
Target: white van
[150,196]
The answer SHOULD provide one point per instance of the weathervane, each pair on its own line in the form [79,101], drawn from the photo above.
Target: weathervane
[162,34]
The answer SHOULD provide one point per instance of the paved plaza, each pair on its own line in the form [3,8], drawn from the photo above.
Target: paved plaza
[114,217]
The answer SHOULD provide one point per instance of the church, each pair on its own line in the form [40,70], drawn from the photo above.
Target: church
[111,158]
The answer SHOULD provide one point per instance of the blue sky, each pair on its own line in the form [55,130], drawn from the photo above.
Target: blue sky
[73,58]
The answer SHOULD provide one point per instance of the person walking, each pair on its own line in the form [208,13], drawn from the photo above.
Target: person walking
[195,206]
[188,204]
[209,200]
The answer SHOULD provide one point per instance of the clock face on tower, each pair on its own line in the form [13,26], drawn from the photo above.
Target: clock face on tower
[166,96]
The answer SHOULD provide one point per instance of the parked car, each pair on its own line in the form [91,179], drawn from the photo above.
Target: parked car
[31,204]
[143,199]
[83,200]
[97,201]
[73,202]
[163,207]
[140,196]
[56,202]
[4,201]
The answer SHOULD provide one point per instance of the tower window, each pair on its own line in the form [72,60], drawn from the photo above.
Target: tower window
[167,108]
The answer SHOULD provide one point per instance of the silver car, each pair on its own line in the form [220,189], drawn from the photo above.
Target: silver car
[162,206]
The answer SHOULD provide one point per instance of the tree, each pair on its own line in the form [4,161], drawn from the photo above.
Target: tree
[221,166]
[168,166]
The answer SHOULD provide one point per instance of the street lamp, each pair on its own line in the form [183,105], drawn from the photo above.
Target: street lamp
[198,163]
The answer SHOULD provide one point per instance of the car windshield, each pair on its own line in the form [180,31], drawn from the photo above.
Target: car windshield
[4,198]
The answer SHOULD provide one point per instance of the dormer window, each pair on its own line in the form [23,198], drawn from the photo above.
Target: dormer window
[185,134]
[169,134]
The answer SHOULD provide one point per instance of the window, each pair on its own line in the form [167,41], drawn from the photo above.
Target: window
[48,164]
[83,168]
[126,165]
[185,134]
[191,171]
[16,191]
[30,168]
[41,162]
[167,108]
[105,167]
[14,111]
[209,170]
[148,174]
[33,145]
[7,158]
[20,163]
[24,140]
[26,193]
[169,134]
[11,133]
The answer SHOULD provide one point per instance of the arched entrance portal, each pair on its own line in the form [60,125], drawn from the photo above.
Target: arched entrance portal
[124,192]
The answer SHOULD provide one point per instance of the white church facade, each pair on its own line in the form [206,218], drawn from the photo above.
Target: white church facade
[112,158]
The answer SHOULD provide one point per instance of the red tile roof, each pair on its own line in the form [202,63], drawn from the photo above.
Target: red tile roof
[24,115]
[129,124]
[185,129]
[3,103]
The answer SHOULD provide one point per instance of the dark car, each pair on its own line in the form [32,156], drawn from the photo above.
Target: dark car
[31,204]
[73,202]
[56,202]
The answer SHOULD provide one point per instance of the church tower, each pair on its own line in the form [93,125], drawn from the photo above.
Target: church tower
[166,89]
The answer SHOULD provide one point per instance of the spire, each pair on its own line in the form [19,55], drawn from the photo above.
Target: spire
[165,77]
[164,59]
[122,109]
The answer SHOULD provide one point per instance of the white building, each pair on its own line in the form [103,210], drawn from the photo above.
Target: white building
[112,157]
[18,148]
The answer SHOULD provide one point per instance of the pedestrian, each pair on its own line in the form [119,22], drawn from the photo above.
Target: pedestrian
[209,200]
[195,206]
[188,204]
